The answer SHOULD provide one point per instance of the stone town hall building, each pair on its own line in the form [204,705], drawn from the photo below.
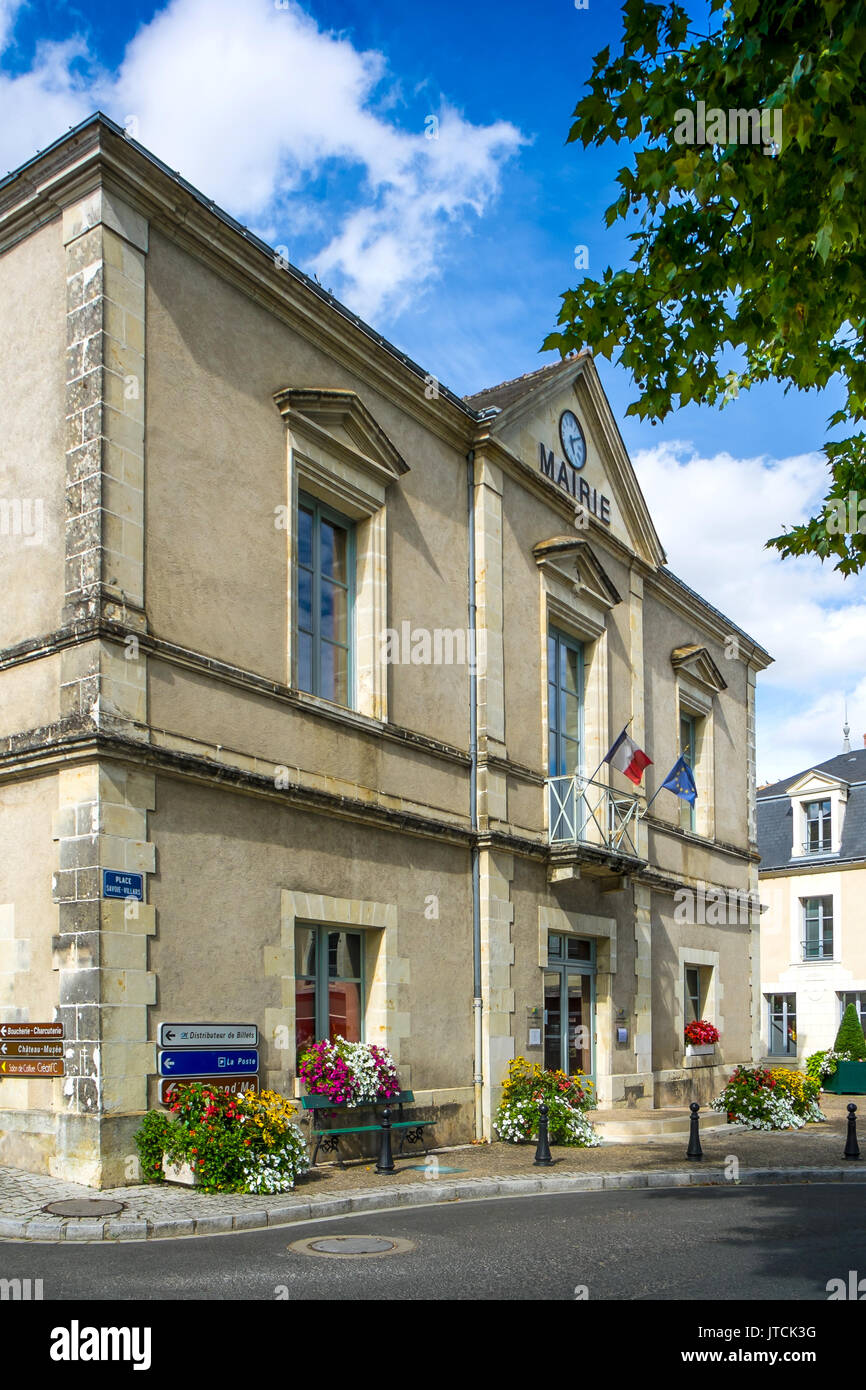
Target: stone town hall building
[246,551]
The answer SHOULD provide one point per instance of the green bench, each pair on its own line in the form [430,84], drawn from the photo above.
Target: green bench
[328,1140]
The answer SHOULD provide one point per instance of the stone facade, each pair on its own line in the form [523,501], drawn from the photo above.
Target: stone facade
[152,720]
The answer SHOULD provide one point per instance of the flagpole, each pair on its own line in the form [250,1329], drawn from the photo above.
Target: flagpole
[605,758]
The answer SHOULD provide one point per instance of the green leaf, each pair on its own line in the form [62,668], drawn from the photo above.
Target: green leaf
[732,248]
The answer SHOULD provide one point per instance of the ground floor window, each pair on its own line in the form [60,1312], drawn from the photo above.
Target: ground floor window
[329,984]
[858,999]
[782,1028]
[569,1005]
[693,994]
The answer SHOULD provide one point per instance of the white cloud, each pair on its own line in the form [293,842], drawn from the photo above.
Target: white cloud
[253,102]
[434,182]
[713,516]
[798,735]
[39,104]
[8,15]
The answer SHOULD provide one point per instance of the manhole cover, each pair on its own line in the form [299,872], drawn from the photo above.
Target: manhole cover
[352,1247]
[85,1206]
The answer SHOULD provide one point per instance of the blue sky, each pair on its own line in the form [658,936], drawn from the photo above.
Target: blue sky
[309,123]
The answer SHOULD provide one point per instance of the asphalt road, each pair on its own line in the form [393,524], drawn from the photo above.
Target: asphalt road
[760,1243]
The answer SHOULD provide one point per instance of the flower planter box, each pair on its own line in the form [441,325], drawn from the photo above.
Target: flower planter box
[849,1079]
[700,1049]
[182,1173]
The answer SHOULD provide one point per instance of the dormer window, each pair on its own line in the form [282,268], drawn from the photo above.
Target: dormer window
[819,835]
[818,804]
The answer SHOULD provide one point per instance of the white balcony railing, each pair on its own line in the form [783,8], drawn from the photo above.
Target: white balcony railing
[585,812]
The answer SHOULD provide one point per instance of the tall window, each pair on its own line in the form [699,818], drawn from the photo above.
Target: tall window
[326,592]
[819,839]
[782,1025]
[688,750]
[329,984]
[564,733]
[693,996]
[564,703]
[818,928]
[569,1004]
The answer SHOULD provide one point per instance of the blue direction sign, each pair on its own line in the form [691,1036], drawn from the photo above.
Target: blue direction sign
[190,1061]
[117,885]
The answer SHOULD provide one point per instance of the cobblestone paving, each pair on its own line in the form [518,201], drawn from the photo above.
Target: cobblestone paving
[156,1211]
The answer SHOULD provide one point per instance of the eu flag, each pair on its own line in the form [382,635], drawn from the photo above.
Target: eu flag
[680,781]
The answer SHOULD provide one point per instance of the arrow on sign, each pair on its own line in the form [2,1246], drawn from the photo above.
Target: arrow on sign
[169,1063]
[2,1047]
[169,1033]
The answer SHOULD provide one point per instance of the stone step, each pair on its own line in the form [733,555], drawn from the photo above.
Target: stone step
[636,1126]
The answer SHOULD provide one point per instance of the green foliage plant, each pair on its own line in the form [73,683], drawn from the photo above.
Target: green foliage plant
[850,1037]
[749,254]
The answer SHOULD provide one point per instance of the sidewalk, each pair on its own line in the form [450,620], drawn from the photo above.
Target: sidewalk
[813,1154]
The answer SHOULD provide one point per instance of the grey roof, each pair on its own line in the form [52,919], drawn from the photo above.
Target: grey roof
[775,825]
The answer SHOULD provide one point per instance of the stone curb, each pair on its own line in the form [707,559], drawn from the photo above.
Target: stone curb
[416,1195]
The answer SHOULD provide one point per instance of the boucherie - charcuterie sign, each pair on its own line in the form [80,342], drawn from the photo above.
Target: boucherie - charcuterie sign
[564,473]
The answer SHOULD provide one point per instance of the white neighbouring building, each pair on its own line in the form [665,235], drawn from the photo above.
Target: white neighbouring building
[812,841]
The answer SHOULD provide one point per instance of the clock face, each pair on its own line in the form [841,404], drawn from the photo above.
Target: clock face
[573,442]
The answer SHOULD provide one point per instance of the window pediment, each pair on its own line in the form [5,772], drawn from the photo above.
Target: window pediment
[696,663]
[342,452]
[571,565]
[815,784]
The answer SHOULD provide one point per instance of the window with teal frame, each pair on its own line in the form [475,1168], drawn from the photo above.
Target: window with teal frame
[569,1005]
[564,703]
[329,985]
[325,602]
[688,750]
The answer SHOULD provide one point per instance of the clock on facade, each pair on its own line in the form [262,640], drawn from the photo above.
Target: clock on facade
[573,442]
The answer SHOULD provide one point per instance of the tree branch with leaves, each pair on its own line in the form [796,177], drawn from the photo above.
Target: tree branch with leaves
[746,252]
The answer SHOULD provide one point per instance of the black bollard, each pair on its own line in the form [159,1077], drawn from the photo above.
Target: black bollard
[852,1148]
[386,1158]
[543,1156]
[694,1150]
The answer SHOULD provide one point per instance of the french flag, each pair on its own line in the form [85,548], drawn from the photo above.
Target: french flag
[628,758]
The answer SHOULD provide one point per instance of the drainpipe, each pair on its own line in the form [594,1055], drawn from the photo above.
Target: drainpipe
[478,1078]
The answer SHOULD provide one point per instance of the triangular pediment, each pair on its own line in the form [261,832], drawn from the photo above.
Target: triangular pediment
[815,782]
[696,662]
[340,419]
[574,562]
[526,416]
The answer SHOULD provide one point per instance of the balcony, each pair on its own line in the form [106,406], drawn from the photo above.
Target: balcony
[818,950]
[593,818]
